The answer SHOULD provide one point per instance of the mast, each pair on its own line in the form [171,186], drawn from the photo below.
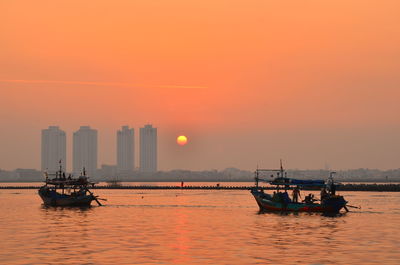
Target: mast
[283,175]
[280,173]
[256,177]
[60,171]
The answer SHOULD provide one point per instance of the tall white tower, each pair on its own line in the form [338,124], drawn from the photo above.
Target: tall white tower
[85,150]
[125,149]
[53,149]
[148,149]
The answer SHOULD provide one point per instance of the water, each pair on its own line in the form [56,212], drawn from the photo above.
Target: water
[195,227]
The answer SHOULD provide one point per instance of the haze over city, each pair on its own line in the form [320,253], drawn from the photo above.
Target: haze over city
[313,83]
[200,132]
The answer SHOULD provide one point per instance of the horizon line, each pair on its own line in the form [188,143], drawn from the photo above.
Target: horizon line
[96,83]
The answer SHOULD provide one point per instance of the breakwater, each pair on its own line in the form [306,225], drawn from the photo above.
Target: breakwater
[345,187]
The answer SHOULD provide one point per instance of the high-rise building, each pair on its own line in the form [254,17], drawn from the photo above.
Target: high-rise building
[125,149]
[148,149]
[85,150]
[53,149]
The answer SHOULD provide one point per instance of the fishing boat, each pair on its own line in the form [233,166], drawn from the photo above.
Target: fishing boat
[60,190]
[280,200]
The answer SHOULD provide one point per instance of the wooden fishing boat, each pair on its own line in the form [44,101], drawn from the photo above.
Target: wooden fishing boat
[267,203]
[67,191]
[280,200]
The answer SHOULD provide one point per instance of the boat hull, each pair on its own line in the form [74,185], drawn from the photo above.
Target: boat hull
[57,199]
[331,205]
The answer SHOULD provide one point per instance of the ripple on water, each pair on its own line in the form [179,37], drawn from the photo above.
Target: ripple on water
[217,227]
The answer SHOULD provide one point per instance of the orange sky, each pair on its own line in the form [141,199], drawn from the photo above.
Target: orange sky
[249,82]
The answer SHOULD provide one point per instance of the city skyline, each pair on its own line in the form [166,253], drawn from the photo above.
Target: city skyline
[114,162]
[85,150]
[203,128]
[310,83]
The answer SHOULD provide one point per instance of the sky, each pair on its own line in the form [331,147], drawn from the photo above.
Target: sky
[315,83]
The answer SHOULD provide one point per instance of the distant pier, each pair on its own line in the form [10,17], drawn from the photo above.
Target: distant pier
[346,187]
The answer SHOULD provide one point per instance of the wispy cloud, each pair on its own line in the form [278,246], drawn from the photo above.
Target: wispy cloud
[95,83]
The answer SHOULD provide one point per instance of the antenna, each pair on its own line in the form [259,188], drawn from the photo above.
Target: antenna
[282,175]
[256,177]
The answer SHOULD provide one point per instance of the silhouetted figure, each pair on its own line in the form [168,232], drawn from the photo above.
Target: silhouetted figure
[309,198]
[324,194]
[333,189]
[330,185]
[275,196]
[296,194]
[283,197]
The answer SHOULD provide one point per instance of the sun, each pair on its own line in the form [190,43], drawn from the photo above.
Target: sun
[181,140]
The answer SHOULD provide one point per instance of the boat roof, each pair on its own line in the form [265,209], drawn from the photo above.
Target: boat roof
[69,182]
[297,182]
[282,180]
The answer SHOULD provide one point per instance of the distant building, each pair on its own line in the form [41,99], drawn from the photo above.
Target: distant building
[53,149]
[125,149]
[25,174]
[108,171]
[85,150]
[8,176]
[148,149]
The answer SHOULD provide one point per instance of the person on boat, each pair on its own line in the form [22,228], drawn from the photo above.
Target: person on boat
[333,189]
[275,196]
[330,185]
[284,197]
[296,194]
[324,194]
[309,198]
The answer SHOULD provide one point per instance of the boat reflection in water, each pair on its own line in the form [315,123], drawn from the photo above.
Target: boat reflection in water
[279,201]
[302,214]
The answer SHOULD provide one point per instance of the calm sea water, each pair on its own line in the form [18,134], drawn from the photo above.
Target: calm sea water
[195,227]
